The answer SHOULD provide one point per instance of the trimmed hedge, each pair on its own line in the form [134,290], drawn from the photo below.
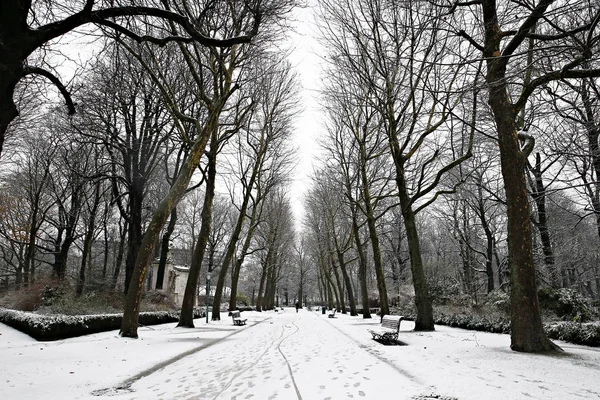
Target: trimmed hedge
[587,334]
[56,327]
[580,333]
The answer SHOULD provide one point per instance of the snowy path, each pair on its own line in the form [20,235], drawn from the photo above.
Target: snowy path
[291,356]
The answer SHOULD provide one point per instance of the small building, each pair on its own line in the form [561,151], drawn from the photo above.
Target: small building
[175,280]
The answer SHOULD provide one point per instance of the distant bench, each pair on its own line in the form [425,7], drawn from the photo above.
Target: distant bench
[237,318]
[332,313]
[388,332]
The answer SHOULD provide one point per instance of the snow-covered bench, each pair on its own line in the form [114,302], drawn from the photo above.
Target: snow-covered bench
[332,313]
[237,318]
[388,332]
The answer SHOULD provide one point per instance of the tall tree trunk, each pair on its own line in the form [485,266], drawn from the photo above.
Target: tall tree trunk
[186,318]
[164,249]
[362,267]
[235,273]
[527,333]
[132,302]
[134,237]
[259,297]
[374,238]
[424,321]
[119,256]
[538,194]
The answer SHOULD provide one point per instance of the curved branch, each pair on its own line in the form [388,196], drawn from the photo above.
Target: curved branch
[528,146]
[473,42]
[146,38]
[86,16]
[28,70]
[564,73]
[524,30]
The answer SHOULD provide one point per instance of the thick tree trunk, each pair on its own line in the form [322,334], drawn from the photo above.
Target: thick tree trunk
[527,333]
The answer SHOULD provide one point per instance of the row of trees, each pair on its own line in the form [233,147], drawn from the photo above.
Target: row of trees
[206,110]
[445,120]
[456,116]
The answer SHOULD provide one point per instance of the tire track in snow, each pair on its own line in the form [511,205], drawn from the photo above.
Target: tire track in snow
[279,341]
[125,386]
[286,360]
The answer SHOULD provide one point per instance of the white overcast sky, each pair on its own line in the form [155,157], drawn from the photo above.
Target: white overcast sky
[306,59]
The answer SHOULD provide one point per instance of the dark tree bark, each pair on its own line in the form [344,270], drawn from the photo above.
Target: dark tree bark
[489,237]
[527,333]
[538,193]
[362,266]
[88,238]
[164,249]
[186,317]
[423,303]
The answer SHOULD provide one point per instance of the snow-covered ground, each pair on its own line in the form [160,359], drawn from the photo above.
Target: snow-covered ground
[289,355]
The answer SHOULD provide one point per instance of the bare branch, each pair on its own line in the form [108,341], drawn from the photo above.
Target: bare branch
[28,70]
[101,17]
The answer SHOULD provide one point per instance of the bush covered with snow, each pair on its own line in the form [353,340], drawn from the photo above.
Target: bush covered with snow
[490,318]
[568,304]
[575,332]
[54,327]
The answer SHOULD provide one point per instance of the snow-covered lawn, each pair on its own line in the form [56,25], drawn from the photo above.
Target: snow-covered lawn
[289,355]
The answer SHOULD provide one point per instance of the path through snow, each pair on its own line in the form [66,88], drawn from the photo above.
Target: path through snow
[289,355]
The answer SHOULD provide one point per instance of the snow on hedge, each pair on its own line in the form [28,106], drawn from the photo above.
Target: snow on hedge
[54,327]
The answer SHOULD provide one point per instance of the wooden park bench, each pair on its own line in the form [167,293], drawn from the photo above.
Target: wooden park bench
[388,332]
[237,318]
[331,313]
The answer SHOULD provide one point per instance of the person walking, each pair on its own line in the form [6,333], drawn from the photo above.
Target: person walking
[297,306]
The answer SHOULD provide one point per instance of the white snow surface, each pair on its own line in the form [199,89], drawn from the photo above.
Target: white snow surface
[289,355]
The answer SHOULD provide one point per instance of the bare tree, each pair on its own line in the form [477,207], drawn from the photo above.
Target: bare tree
[397,57]
[500,34]
[227,19]
[27,26]
[264,156]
